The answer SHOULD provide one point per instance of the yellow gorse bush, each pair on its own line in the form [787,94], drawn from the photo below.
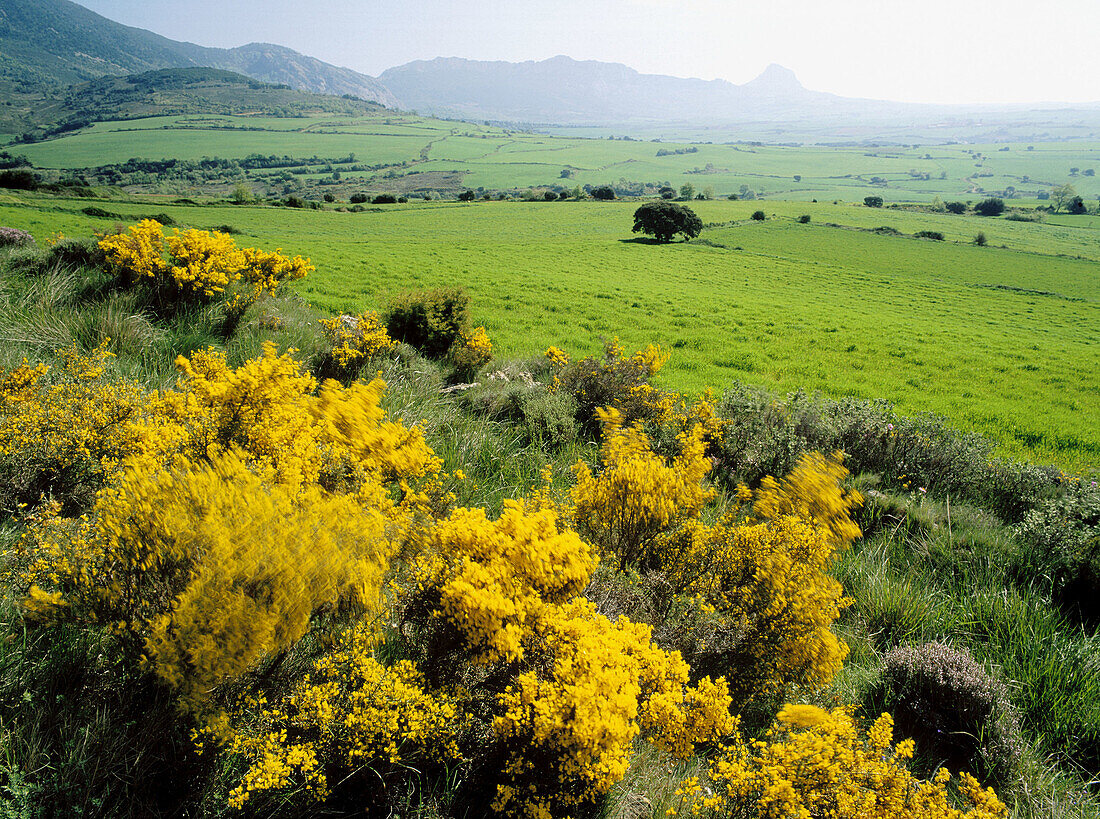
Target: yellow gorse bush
[198,263]
[472,349]
[816,763]
[355,339]
[495,578]
[61,437]
[211,566]
[569,726]
[637,495]
[272,409]
[352,711]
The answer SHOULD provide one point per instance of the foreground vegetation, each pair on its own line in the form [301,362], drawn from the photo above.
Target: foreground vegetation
[559,591]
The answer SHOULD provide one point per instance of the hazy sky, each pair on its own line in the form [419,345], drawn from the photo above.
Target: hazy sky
[936,51]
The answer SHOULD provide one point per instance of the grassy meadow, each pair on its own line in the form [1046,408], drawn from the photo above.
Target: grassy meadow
[999,339]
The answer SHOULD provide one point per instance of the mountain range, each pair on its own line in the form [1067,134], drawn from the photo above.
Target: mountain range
[48,47]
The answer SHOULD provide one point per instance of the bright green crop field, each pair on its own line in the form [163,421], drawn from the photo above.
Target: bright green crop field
[495,159]
[1004,341]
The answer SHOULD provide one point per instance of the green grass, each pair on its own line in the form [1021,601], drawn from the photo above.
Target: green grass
[1000,341]
[497,159]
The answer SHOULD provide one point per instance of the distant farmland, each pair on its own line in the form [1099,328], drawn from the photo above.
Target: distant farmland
[409,153]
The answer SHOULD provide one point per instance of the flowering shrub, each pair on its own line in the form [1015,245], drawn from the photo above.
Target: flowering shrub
[636,495]
[208,566]
[818,763]
[619,382]
[61,439]
[355,339]
[471,350]
[349,714]
[271,409]
[568,726]
[197,264]
[14,237]
[430,320]
[491,580]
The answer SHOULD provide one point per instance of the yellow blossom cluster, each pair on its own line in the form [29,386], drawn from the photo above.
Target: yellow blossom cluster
[557,357]
[352,711]
[495,578]
[568,726]
[816,763]
[211,566]
[356,338]
[272,409]
[60,436]
[637,495]
[197,263]
[472,349]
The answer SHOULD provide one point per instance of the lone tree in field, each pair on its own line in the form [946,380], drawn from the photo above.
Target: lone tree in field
[664,219]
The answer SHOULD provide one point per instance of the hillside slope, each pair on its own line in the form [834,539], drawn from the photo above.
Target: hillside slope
[49,44]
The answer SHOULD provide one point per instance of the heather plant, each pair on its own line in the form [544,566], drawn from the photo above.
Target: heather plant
[819,763]
[959,715]
[14,237]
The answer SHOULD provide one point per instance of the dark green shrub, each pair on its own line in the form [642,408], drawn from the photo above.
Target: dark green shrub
[990,207]
[980,239]
[100,213]
[359,198]
[20,179]
[384,199]
[929,234]
[467,196]
[872,201]
[294,202]
[758,215]
[956,207]
[77,253]
[604,193]
[959,715]
[163,218]
[1061,545]
[804,219]
[329,198]
[430,320]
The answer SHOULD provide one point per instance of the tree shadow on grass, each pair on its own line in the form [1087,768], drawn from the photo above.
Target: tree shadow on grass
[643,240]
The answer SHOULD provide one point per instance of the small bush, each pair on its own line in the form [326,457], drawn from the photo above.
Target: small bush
[430,320]
[1061,545]
[615,381]
[359,198]
[20,180]
[384,199]
[956,207]
[14,237]
[957,713]
[99,213]
[77,253]
[990,207]
[294,202]
[872,201]
[604,193]
[980,239]
[758,215]
[929,234]
[804,219]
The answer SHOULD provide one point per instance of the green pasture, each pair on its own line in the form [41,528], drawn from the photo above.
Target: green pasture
[1002,341]
[493,158]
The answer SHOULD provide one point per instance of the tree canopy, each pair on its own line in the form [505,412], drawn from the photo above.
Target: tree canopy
[665,219]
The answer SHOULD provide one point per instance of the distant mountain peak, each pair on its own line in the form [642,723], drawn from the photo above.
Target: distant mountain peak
[775,79]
